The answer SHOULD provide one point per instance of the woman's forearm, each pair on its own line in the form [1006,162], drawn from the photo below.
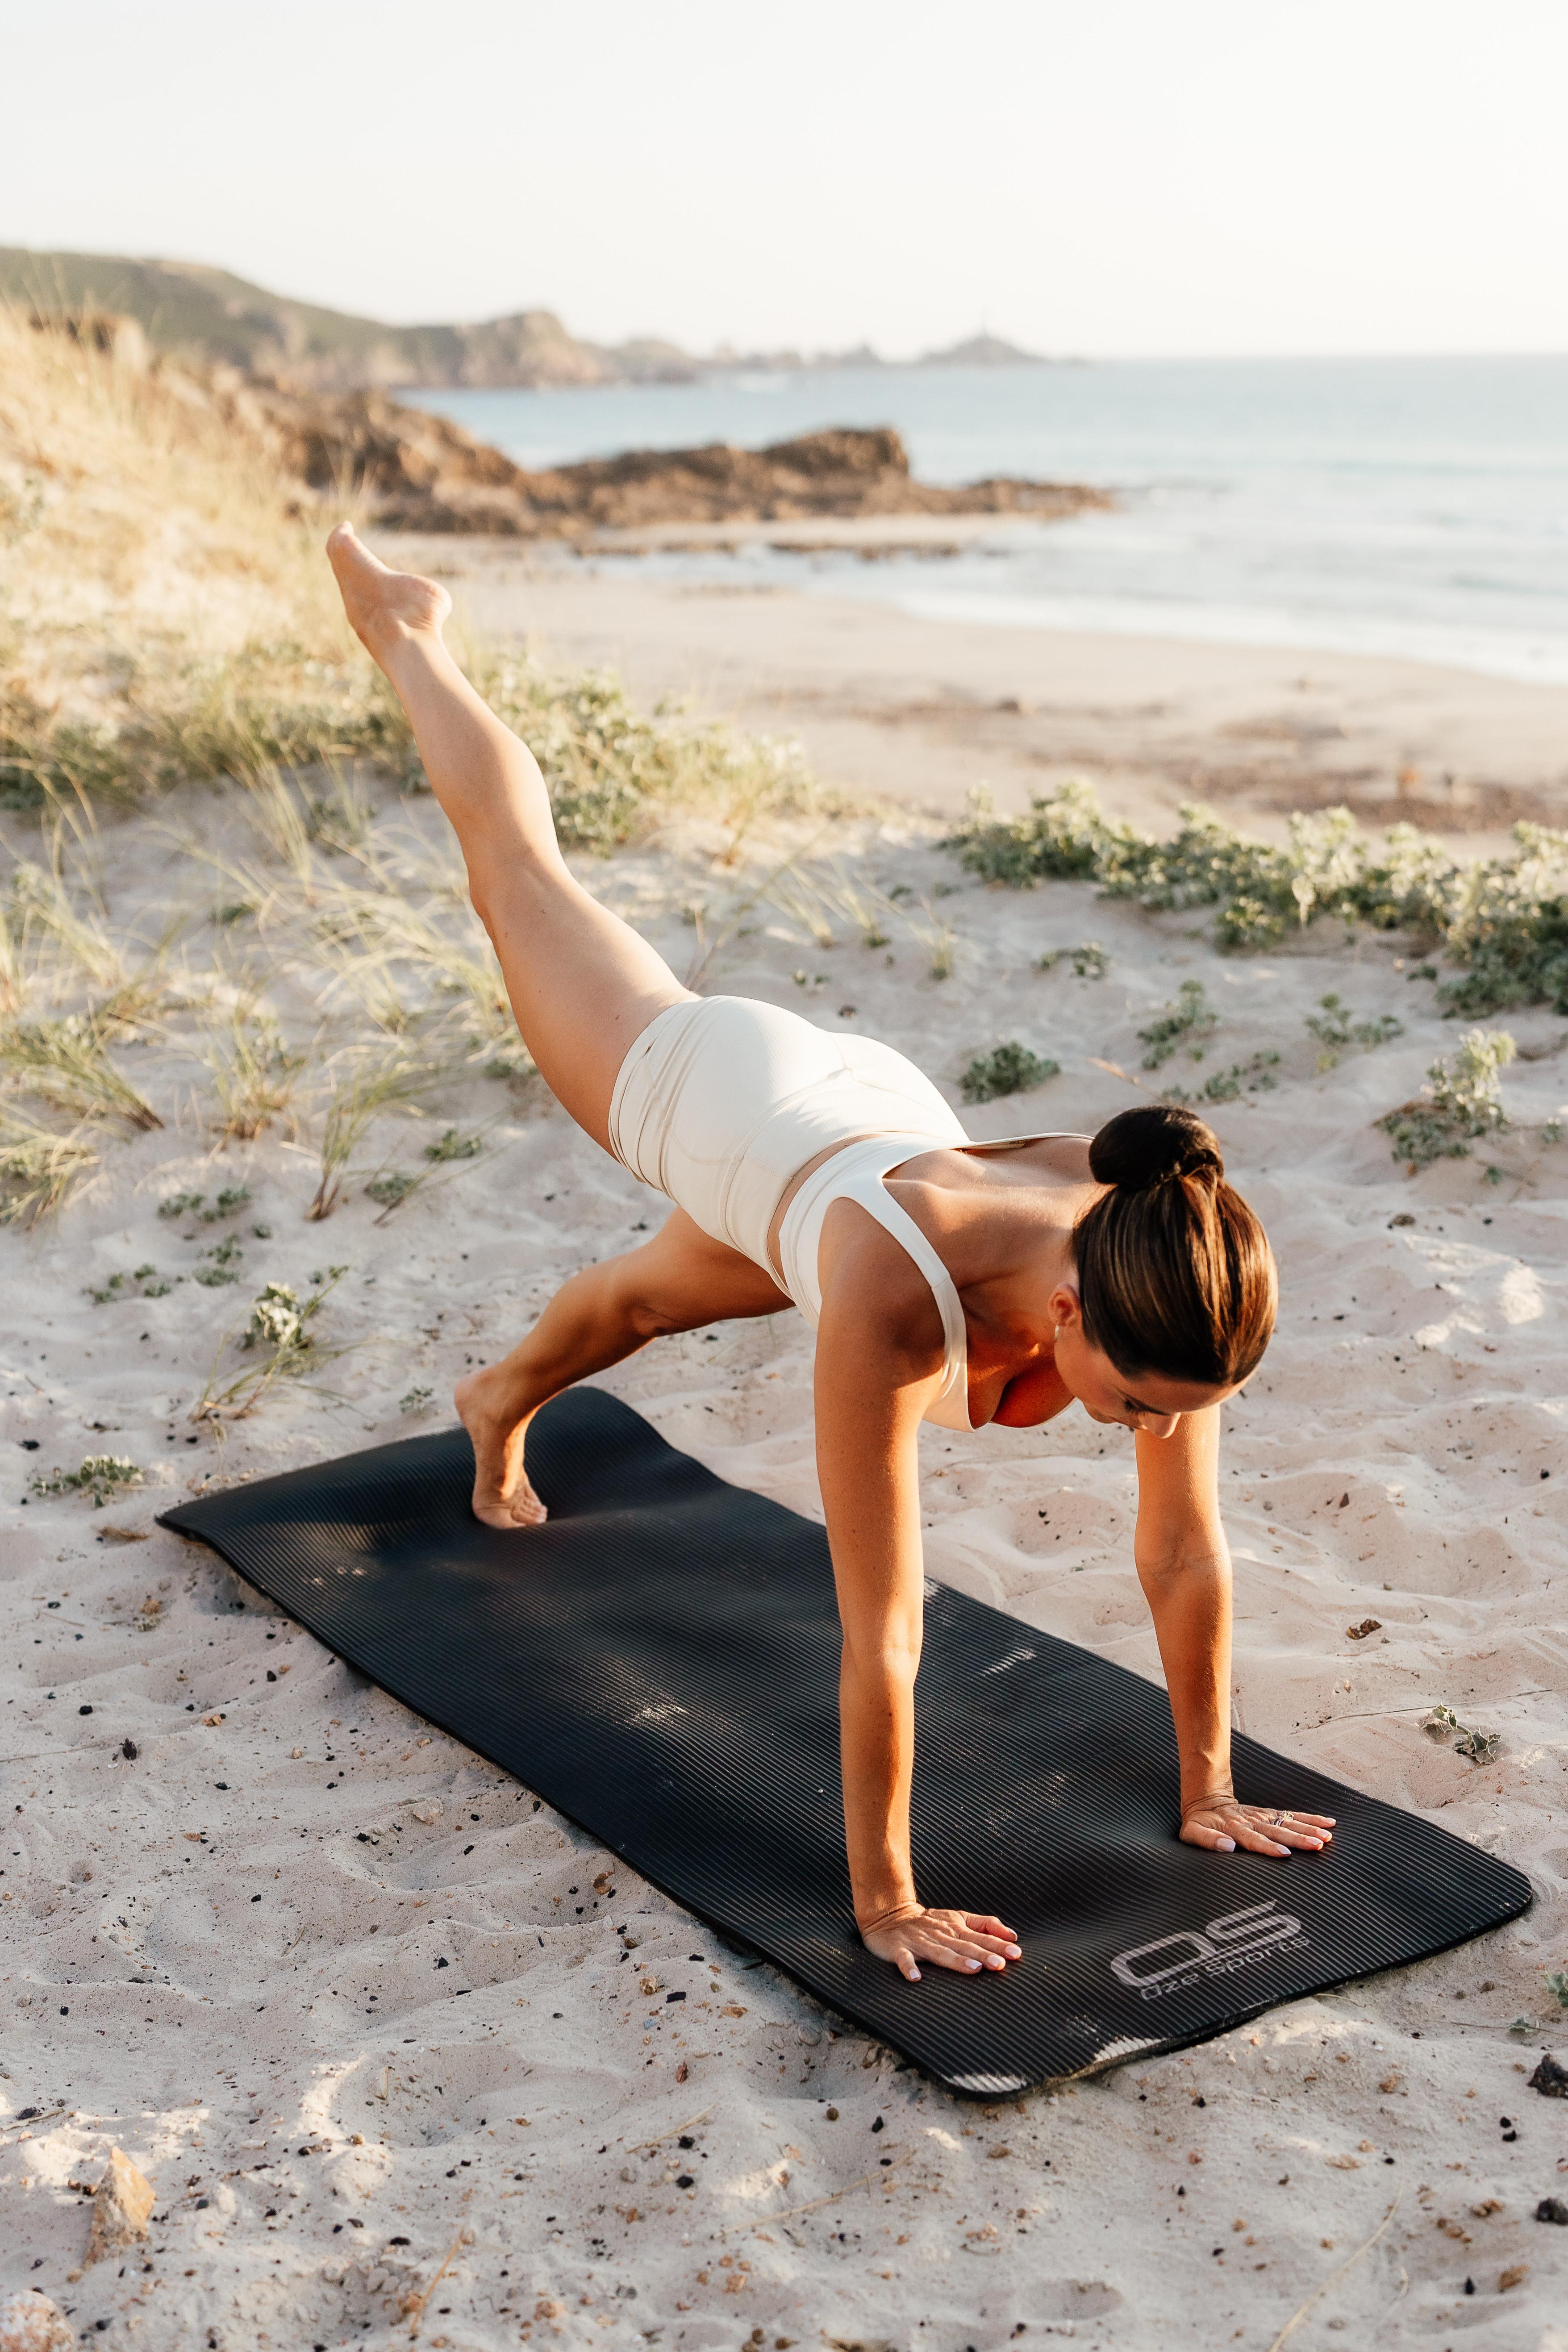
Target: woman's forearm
[876,1744]
[1190,1603]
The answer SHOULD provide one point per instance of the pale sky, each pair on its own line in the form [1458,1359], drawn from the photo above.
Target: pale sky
[1111,176]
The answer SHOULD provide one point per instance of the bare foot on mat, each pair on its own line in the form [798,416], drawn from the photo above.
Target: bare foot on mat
[503,1496]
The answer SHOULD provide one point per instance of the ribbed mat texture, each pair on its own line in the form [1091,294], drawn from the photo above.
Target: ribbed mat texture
[660,1662]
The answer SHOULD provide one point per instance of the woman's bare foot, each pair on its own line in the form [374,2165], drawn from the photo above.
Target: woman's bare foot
[384,607]
[503,1496]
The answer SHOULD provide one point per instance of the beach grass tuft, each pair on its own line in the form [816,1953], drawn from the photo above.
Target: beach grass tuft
[39,1165]
[64,1062]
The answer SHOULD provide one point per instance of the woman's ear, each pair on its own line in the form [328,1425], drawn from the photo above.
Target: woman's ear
[1065,1307]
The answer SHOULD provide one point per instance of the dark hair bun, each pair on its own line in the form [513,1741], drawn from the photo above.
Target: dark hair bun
[1139,1149]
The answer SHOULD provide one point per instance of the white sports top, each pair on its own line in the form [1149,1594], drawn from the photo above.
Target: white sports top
[856,1173]
[721,1101]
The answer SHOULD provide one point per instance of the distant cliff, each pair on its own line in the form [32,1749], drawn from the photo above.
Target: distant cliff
[209,317]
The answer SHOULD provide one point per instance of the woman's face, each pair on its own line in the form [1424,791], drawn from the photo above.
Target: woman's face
[1152,1404]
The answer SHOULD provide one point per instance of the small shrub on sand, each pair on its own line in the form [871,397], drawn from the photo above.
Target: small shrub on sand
[1480,1747]
[101,1476]
[1008,1069]
[1255,1075]
[1504,921]
[1190,1016]
[610,769]
[364,1088]
[1337,1030]
[455,1146]
[1089,960]
[279,1325]
[1462,1100]
[146,1279]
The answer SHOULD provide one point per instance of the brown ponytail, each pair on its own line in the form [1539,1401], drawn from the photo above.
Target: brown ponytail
[1175,1271]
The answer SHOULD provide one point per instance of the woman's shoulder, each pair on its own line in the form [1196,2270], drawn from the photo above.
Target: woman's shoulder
[870,1274]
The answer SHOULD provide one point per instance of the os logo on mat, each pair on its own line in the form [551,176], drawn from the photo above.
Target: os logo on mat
[1185,1957]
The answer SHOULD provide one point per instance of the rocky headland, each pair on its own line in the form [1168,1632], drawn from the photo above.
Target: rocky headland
[209,317]
[421,472]
[415,471]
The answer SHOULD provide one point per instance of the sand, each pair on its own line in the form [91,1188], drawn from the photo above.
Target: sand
[926,712]
[207,1960]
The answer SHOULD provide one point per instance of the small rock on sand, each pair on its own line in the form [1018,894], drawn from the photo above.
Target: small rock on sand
[31,2323]
[121,2206]
[430,1809]
[1550,2079]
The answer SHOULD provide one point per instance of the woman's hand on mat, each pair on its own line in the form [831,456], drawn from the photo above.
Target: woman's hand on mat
[1222,1822]
[965,1940]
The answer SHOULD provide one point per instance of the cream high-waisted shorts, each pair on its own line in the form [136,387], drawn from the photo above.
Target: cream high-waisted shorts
[721,1100]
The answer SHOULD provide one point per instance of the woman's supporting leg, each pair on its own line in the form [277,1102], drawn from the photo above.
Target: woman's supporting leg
[583,985]
[676,1281]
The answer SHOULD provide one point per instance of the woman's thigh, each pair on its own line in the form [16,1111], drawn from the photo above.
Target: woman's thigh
[582,984]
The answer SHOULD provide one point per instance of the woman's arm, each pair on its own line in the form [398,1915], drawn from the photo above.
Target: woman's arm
[870,1394]
[1184,1567]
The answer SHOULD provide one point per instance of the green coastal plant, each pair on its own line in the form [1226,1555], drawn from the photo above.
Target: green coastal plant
[1255,1075]
[220,1268]
[1337,1030]
[101,1476]
[279,1325]
[1189,1016]
[1462,1100]
[1089,960]
[611,770]
[363,1087]
[1009,1068]
[1480,1747]
[1503,921]
[145,1277]
[452,1145]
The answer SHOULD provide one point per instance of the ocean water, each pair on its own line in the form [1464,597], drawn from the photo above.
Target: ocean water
[1415,506]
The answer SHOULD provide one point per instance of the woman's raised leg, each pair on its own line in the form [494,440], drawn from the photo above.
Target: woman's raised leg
[582,984]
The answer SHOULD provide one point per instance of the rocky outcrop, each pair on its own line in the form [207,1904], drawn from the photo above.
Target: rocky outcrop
[419,472]
[423,473]
[122,2205]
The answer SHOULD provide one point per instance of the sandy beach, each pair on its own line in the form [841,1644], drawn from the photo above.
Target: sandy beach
[925,712]
[305,2047]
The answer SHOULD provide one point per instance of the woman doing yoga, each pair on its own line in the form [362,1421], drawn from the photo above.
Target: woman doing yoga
[947,1281]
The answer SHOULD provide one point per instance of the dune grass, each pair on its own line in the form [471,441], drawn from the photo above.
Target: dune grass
[40,1164]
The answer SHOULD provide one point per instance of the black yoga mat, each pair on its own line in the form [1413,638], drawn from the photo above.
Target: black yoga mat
[660,1662]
